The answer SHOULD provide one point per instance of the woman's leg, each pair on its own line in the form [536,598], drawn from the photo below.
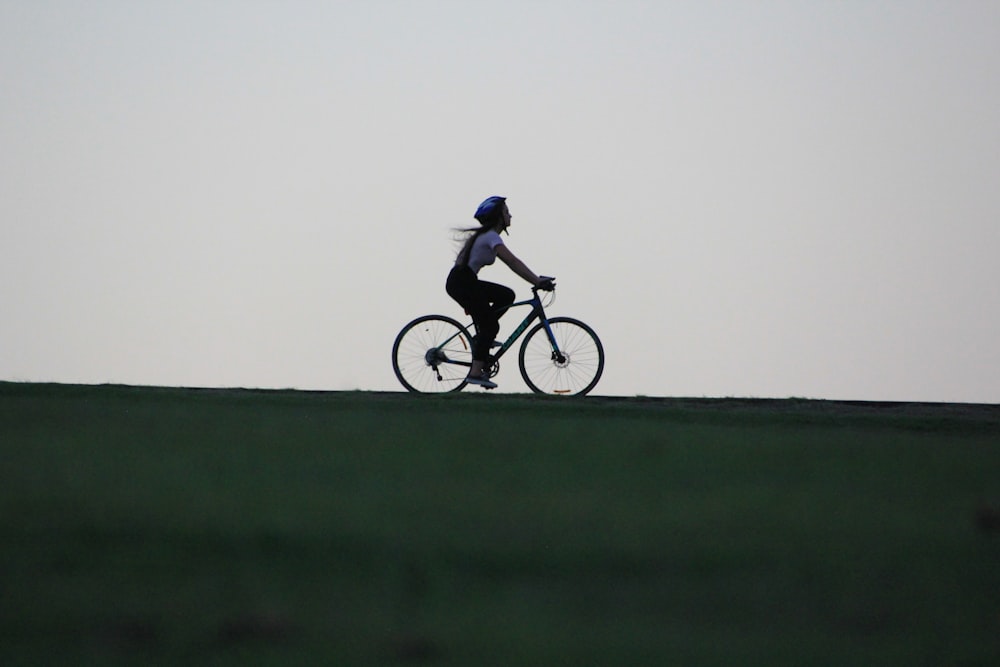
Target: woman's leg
[499,296]
[491,301]
[464,287]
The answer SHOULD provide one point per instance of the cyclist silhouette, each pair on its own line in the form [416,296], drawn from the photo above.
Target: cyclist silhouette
[486,301]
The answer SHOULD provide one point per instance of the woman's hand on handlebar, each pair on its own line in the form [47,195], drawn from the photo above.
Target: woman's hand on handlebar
[546,283]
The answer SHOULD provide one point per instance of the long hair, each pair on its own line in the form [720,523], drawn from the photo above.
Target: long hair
[469,235]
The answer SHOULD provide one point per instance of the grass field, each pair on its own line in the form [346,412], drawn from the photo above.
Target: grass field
[228,527]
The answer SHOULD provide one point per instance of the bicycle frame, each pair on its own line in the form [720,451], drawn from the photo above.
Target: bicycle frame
[537,313]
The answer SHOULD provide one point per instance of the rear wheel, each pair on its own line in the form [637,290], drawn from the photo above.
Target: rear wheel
[570,368]
[432,354]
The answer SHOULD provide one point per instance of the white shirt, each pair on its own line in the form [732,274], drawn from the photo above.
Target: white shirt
[484,250]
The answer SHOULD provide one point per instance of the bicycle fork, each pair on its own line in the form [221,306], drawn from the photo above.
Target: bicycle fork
[557,354]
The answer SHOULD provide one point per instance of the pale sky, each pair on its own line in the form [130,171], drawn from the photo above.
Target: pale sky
[749,199]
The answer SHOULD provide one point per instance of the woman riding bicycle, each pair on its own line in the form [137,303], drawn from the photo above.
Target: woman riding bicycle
[486,301]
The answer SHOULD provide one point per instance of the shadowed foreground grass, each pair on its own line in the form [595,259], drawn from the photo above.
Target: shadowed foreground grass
[169,526]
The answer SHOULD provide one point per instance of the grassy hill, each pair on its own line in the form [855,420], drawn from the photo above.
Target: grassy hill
[162,526]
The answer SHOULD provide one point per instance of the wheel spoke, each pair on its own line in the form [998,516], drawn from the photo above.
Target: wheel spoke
[432,354]
[582,358]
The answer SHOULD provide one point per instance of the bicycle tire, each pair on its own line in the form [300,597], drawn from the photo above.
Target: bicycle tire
[580,367]
[422,342]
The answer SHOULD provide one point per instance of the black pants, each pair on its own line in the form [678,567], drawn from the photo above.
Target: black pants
[484,301]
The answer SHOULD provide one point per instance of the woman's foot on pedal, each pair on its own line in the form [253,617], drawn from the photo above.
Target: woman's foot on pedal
[482,381]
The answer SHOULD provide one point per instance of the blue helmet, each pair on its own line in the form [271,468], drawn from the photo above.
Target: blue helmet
[487,210]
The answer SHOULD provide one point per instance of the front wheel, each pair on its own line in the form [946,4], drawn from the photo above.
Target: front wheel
[432,354]
[572,366]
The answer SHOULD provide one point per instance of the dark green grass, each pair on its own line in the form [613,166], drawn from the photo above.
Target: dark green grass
[169,526]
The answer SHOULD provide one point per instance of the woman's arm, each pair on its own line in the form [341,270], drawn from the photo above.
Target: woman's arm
[516,265]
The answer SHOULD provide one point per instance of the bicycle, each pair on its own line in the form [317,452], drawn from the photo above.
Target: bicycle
[560,355]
